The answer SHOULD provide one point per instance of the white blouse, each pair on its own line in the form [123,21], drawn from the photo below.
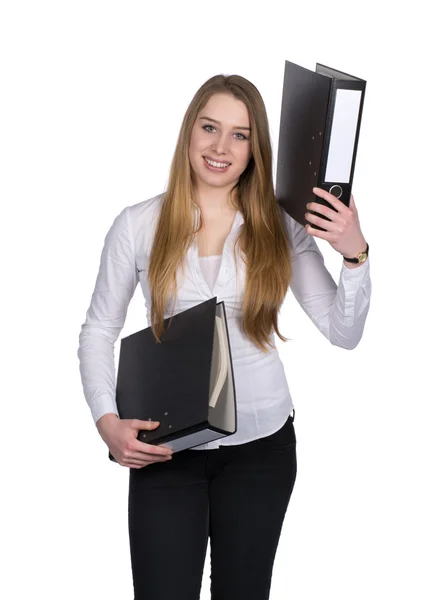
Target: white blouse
[262,393]
[210,267]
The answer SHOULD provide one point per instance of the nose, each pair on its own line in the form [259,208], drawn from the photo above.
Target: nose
[221,143]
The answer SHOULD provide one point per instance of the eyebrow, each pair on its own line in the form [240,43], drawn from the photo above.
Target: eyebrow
[218,123]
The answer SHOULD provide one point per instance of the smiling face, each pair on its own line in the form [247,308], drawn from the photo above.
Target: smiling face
[220,146]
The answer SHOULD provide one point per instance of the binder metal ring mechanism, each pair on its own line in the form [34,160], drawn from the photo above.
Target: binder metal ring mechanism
[320,122]
[186,382]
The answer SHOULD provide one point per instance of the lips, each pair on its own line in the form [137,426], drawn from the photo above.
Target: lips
[215,168]
[217,160]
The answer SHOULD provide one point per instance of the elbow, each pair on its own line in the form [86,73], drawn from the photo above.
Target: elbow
[350,345]
[84,339]
[96,337]
[346,342]
[347,335]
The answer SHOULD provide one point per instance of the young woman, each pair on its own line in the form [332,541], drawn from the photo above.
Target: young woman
[218,231]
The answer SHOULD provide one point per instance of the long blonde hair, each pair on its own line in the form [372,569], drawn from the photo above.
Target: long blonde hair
[263,239]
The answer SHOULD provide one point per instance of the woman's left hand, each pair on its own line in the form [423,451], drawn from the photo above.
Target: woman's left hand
[343,231]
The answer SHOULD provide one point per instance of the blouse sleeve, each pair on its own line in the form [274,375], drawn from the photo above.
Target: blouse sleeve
[339,312]
[114,288]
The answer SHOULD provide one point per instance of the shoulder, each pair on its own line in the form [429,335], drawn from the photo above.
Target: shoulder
[141,216]
[140,220]
[146,210]
[134,221]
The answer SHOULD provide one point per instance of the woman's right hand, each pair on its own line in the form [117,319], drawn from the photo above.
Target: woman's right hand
[120,435]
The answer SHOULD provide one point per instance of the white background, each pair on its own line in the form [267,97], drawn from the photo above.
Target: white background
[92,98]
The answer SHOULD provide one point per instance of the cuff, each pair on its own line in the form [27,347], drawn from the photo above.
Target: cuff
[101,405]
[357,273]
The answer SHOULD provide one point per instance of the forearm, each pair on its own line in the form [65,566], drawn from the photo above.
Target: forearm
[339,312]
[350,307]
[97,369]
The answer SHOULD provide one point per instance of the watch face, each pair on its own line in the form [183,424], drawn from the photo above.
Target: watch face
[362,257]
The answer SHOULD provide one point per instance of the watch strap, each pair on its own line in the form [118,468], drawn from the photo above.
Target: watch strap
[361,257]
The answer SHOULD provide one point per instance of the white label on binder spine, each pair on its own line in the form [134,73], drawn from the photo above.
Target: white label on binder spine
[343,134]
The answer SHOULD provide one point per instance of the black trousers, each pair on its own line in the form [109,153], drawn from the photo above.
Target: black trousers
[236,496]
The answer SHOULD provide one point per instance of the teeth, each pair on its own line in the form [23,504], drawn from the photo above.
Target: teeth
[216,164]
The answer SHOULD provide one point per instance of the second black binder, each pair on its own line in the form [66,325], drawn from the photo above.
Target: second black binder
[186,382]
[319,131]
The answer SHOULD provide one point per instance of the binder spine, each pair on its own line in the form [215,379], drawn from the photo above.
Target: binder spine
[361,87]
[326,133]
[341,139]
[321,183]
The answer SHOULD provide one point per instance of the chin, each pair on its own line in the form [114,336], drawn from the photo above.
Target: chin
[217,179]
[217,182]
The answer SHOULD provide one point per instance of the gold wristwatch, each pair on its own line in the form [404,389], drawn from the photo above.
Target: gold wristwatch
[359,258]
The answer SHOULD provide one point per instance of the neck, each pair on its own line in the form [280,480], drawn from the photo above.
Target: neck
[213,200]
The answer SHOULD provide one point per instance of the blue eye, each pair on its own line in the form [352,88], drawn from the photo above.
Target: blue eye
[208,127]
